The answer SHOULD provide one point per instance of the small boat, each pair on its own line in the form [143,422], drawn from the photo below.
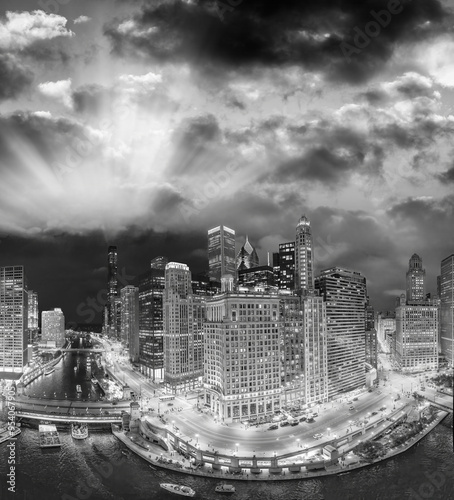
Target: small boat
[7,433]
[79,431]
[152,467]
[48,372]
[224,488]
[178,489]
[124,452]
[343,473]
[78,388]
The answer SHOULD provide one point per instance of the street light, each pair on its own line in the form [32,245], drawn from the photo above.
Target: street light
[298,442]
[329,431]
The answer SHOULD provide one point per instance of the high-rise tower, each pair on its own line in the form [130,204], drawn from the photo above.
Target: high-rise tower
[112,290]
[304,256]
[415,279]
[247,257]
[130,320]
[184,314]
[447,308]
[344,292]
[13,321]
[221,252]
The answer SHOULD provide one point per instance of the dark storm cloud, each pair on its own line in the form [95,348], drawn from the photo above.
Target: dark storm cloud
[306,33]
[447,176]
[14,78]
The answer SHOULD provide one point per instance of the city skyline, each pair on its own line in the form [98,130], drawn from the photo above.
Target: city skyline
[106,140]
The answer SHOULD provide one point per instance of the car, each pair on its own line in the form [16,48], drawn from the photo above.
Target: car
[349,402]
[374,413]
[309,420]
[284,423]
[383,408]
[355,399]
[351,408]
[295,422]
[273,427]
[315,414]
[169,404]
[370,390]
[303,419]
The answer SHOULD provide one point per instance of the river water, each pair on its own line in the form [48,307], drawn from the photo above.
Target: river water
[99,469]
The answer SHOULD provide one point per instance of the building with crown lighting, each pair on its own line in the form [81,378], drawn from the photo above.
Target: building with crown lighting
[304,256]
[416,276]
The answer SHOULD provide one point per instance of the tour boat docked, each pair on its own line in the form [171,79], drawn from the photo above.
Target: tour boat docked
[48,436]
[224,488]
[8,433]
[178,489]
[79,431]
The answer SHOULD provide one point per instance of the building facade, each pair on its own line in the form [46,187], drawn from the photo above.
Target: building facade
[184,314]
[416,277]
[304,256]
[13,321]
[259,278]
[221,252]
[33,314]
[416,336]
[110,328]
[344,293]
[287,266]
[242,378]
[53,327]
[447,309]
[151,323]
[130,320]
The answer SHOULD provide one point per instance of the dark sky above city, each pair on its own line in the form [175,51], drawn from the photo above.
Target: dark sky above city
[144,123]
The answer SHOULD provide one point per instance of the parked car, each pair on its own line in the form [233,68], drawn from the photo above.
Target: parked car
[273,427]
[315,414]
[309,420]
[383,408]
[284,423]
[351,408]
[355,399]
[370,390]
[374,413]
[295,422]
[302,419]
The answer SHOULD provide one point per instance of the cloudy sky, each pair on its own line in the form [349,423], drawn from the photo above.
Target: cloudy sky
[143,123]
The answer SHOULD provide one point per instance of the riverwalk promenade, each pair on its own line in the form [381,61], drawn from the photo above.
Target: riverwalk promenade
[348,461]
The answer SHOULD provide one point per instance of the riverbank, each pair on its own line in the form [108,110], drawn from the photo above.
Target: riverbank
[155,455]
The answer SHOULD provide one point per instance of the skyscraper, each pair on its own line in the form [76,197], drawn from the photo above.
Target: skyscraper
[32,315]
[344,293]
[304,256]
[242,367]
[151,324]
[287,266]
[221,252]
[416,336]
[13,321]
[416,280]
[53,327]
[184,314]
[247,257]
[447,309]
[130,320]
[371,335]
[112,290]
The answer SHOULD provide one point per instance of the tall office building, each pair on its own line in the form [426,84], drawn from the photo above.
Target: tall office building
[32,316]
[416,275]
[344,293]
[184,314]
[257,278]
[221,252]
[371,335]
[304,256]
[13,322]
[447,309]
[247,257]
[416,336]
[242,368]
[287,266]
[53,327]
[151,324]
[276,268]
[112,292]
[130,320]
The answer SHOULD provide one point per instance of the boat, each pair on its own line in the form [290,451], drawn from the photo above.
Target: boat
[48,372]
[343,473]
[152,467]
[8,433]
[224,488]
[79,431]
[178,489]
[48,436]
[78,388]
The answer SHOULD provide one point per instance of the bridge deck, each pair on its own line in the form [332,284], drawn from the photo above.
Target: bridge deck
[108,419]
